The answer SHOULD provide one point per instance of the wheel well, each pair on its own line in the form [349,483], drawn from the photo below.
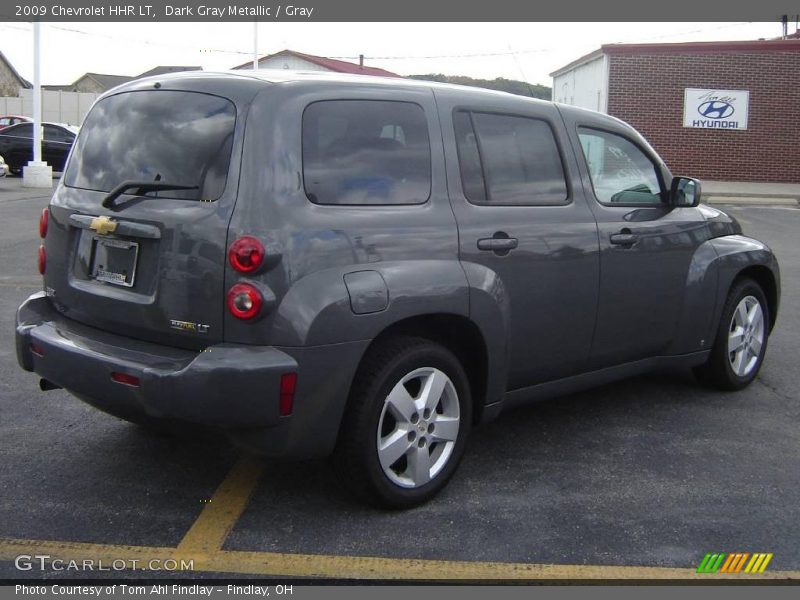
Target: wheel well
[459,335]
[764,278]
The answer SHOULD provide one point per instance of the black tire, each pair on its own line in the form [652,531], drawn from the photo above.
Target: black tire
[356,457]
[16,172]
[718,371]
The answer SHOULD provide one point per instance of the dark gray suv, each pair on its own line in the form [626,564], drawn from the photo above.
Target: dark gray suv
[369,267]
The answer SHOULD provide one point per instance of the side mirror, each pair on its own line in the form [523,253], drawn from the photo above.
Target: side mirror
[684,191]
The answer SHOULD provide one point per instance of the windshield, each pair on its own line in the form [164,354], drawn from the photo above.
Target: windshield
[183,138]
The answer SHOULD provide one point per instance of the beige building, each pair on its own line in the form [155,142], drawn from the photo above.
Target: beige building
[10,80]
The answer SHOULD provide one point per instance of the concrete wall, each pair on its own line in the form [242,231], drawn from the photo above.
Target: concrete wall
[585,85]
[57,107]
[647,91]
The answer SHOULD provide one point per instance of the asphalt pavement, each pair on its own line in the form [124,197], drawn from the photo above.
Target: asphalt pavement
[650,472]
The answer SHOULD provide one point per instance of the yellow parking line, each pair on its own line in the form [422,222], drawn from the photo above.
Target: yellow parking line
[224,508]
[353,567]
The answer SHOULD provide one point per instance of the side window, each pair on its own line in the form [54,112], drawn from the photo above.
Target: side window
[469,158]
[366,152]
[25,130]
[53,134]
[519,158]
[621,173]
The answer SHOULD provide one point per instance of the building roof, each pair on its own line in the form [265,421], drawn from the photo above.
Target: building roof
[787,45]
[106,81]
[24,83]
[162,70]
[332,64]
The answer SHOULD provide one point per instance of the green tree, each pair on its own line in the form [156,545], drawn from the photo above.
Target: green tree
[521,88]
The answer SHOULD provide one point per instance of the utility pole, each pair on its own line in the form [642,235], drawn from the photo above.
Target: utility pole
[37,173]
[255,46]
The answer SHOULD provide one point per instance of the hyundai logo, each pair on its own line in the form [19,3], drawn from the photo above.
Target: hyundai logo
[715,109]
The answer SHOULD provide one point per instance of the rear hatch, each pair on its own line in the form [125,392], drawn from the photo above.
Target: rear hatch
[136,242]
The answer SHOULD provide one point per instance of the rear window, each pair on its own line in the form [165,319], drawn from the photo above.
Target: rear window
[182,138]
[366,152]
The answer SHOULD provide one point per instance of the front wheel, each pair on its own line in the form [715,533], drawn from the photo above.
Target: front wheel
[406,425]
[741,340]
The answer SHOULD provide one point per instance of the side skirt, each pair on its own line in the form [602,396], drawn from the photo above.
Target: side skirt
[584,381]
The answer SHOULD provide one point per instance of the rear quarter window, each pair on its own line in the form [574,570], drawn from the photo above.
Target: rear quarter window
[366,152]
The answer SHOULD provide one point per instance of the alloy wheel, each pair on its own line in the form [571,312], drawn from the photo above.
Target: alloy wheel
[418,427]
[746,336]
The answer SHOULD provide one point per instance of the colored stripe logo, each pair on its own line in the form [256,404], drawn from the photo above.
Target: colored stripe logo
[721,562]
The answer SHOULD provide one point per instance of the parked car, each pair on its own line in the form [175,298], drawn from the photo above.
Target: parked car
[385,264]
[16,145]
[9,120]
[3,167]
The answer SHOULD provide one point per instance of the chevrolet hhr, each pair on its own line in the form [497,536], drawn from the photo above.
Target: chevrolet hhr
[367,268]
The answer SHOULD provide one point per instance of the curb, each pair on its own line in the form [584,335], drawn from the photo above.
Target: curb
[753,200]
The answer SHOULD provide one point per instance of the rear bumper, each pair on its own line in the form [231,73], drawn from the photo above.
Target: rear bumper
[234,387]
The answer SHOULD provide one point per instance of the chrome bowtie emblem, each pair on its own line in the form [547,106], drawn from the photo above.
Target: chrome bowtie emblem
[103,225]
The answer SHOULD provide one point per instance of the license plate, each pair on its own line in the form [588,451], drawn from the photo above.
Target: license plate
[114,261]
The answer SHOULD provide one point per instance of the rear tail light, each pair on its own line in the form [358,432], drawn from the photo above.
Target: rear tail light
[288,385]
[244,301]
[37,349]
[42,260]
[246,254]
[43,220]
[125,378]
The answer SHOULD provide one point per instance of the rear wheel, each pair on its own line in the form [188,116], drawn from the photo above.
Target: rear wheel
[741,340]
[407,422]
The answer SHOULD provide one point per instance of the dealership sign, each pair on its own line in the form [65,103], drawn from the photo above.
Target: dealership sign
[715,109]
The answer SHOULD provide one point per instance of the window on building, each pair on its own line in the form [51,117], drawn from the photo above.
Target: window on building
[358,152]
[517,156]
[621,173]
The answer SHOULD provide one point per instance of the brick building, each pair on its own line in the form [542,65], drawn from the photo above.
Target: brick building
[713,110]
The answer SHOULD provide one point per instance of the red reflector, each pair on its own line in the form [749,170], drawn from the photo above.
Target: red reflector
[125,378]
[37,349]
[42,260]
[246,254]
[43,222]
[288,385]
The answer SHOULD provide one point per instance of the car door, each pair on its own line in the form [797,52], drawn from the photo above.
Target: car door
[646,245]
[523,222]
[16,145]
[55,146]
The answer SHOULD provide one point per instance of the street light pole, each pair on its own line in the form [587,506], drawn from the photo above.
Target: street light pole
[255,46]
[37,96]
[37,173]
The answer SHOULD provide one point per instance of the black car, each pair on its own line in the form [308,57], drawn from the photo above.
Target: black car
[16,145]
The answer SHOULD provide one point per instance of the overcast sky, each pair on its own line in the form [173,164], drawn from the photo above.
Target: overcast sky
[527,51]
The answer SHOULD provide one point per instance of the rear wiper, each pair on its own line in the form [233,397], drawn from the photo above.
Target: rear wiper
[141,187]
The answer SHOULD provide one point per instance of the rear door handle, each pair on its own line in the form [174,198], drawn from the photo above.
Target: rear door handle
[624,239]
[498,244]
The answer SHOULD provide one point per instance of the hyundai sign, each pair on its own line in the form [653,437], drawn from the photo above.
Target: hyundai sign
[715,109]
